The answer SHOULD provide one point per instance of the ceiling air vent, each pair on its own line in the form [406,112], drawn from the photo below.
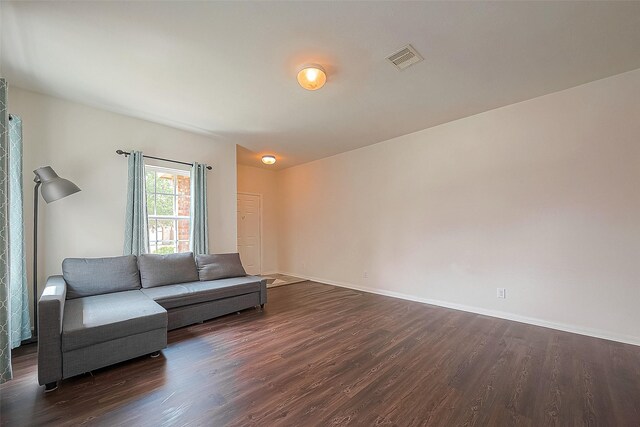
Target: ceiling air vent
[405,57]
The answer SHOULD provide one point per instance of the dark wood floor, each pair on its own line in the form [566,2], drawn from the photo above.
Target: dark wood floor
[321,355]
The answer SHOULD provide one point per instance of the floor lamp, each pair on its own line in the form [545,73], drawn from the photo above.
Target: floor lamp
[52,188]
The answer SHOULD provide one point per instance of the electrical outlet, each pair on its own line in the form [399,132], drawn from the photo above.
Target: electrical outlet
[502,293]
[365,275]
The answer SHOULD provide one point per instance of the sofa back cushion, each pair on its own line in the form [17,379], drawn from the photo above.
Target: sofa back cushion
[219,266]
[96,276]
[160,270]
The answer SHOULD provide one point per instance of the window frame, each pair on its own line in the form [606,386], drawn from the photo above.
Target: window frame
[175,218]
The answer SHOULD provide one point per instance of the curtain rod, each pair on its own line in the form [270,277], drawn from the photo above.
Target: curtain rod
[124,153]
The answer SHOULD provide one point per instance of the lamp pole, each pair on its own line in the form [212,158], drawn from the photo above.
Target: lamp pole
[35,256]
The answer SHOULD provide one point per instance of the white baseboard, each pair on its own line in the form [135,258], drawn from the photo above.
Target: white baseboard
[269,273]
[626,339]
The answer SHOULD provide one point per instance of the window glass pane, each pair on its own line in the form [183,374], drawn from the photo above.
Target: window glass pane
[152,247]
[166,248]
[151,204]
[166,229]
[183,246]
[152,231]
[165,183]
[164,205]
[149,178]
[183,229]
[184,204]
[184,184]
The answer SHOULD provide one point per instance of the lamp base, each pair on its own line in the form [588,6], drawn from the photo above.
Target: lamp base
[32,340]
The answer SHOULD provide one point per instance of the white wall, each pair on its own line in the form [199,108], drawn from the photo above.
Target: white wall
[79,142]
[261,181]
[541,198]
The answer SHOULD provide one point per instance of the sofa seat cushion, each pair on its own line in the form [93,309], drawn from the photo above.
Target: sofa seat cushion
[173,296]
[101,318]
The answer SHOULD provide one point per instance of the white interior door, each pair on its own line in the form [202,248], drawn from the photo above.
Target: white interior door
[249,232]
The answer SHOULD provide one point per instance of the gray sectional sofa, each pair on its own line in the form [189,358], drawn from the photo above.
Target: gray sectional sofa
[103,311]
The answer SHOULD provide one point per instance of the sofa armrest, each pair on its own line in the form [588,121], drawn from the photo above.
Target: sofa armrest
[50,315]
[263,288]
[263,291]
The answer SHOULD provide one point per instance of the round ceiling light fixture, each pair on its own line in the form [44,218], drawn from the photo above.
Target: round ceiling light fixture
[268,159]
[312,77]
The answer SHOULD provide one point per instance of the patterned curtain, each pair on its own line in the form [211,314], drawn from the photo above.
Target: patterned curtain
[19,322]
[199,239]
[5,347]
[136,240]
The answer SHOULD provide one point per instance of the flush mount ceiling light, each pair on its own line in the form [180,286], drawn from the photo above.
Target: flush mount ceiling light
[268,160]
[312,77]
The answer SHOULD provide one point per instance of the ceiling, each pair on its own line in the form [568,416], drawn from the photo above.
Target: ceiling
[228,69]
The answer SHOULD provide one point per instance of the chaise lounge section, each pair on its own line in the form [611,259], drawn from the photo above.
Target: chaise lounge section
[103,311]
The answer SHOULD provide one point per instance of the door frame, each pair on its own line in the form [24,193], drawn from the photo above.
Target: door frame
[246,193]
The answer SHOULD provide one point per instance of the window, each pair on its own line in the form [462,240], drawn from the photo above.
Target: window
[168,204]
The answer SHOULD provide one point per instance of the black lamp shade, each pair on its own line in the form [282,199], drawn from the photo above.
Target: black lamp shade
[53,187]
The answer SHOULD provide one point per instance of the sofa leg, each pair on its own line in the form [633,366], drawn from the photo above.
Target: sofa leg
[261,306]
[48,387]
[155,354]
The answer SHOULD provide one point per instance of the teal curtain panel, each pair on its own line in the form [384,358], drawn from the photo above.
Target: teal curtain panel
[136,239]
[19,321]
[199,229]
[5,345]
